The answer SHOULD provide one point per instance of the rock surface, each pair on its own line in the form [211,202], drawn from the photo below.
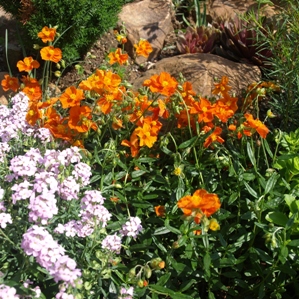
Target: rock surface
[147,19]
[202,70]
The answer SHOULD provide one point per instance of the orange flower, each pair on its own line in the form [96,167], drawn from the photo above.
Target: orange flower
[106,102]
[230,102]
[163,83]
[147,136]
[48,103]
[222,111]
[27,65]
[10,83]
[160,211]
[143,48]
[101,82]
[214,137]
[71,97]
[47,34]
[133,144]
[33,114]
[118,57]
[33,92]
[221,88]
[200,204]
[51,54]
[32,88]
[161,110]
[183,120]
[80,119]
[256,124]
[117,124]
[204,110]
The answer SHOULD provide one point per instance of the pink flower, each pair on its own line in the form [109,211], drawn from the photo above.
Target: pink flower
[112,243]
[4,219]
[132,227]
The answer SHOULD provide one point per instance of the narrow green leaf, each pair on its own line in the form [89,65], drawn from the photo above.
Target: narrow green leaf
[163,279]
[271,183]
[161,231]
[250,190]
[172,229]
[188,143]
[251,155]
[137,173]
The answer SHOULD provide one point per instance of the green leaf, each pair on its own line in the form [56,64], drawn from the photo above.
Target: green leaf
[180,296]
[271,183]
[187,284]
[251,155]
[172,229]
[294,243]
[159,245]
[278,218]
[233,197]
[163,279]
[250,190]
[137,173]
[161,231]
[161,290]
[248,176]
[188,143]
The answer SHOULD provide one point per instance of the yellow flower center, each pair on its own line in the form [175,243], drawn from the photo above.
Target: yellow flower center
[177,171]
[165,83]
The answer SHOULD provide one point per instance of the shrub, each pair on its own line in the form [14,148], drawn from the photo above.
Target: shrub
[83,21]
[284,65]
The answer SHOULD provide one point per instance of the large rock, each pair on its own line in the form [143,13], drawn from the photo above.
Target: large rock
[224,9]
[147,19]
[202,70]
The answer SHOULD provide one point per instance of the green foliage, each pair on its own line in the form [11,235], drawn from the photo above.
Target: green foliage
[81,22]
[284,65]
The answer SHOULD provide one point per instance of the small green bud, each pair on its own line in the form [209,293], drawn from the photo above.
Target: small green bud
[147,271]
[132,273]
[140,283]
[57,74]
[87,285]
[118,186]
[62,63]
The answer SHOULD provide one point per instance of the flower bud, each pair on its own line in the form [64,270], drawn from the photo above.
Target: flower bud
[57,74]
[62,63]
[132,273]
[140,283]
[154,263]
[147,271]
[270,114]
[36,46]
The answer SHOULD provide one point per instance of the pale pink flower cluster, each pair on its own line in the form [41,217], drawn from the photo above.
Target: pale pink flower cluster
[42,179]
[7,292]
[27,284]
[112,243]
[38,242]
[93,214]
[4,217]
[13,124]
[126,293]
[132,227]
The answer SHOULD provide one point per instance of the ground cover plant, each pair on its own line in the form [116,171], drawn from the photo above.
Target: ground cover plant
[109,192]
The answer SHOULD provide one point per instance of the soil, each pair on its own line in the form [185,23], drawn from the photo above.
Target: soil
[96,57]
